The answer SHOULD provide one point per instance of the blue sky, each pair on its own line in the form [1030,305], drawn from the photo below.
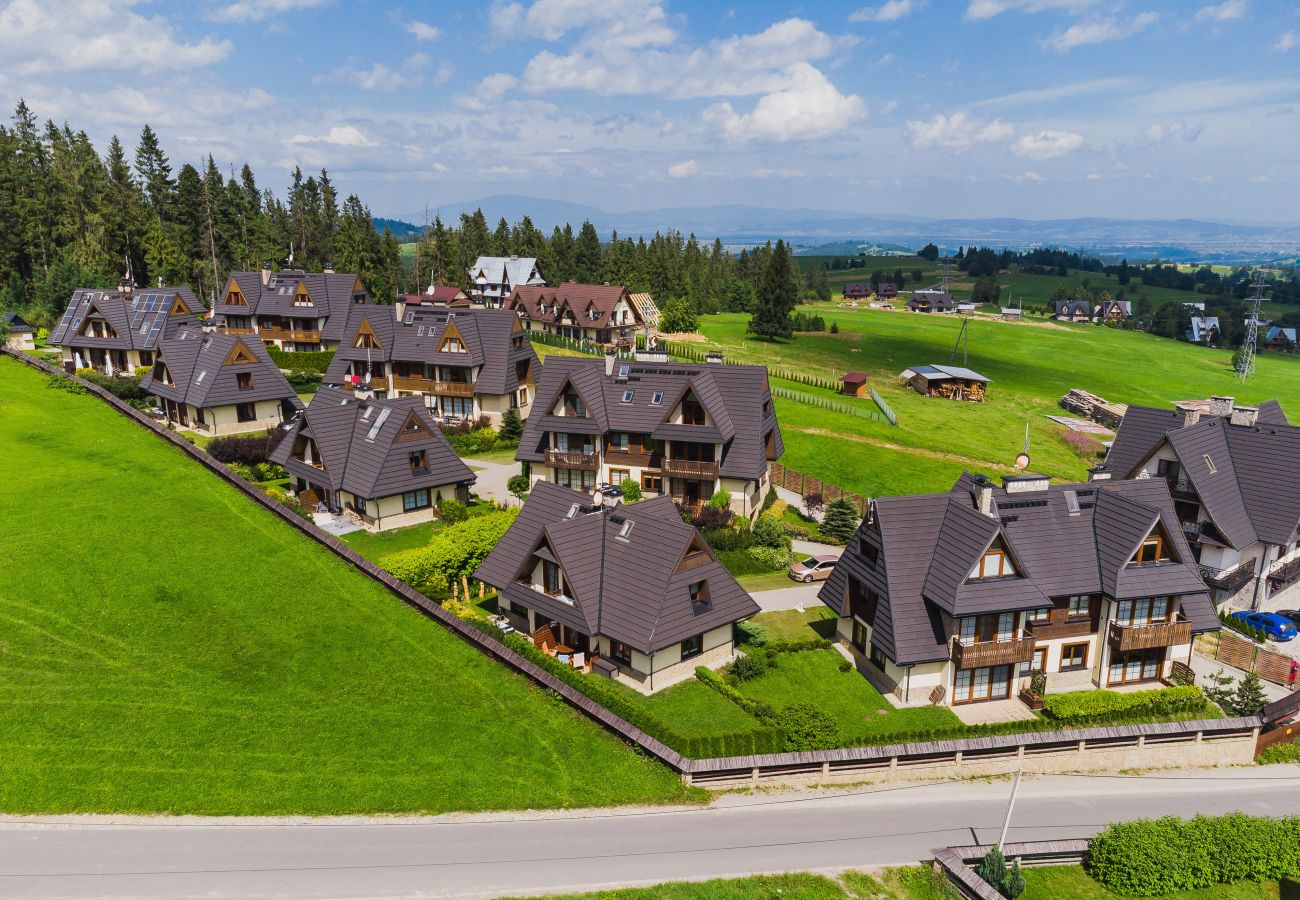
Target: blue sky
[957,108]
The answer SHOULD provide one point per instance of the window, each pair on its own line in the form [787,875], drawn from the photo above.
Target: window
[700,593]
[413,500]
[1145,611]
[1209,463]
[1151,550]
[628,395]
[521,397]
[981,629]
[620,652]
[616,476]
[366,342]
[452,345]
[1074,656]
[1080,606]
[519,609]
[618,440]
[859,638]
[244,380]
[656,398]
[878,658]
[419,461]
[623,371]
[693,646]
[1038,615]
[869,552]
[551,581]
[652,481]
[246,412]
[692,412]
[994,564]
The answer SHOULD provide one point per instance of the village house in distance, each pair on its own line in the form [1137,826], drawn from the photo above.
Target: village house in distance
[678,429]
[492,278]
[290,309]
[953,597]
[1234,472]
[597,313]
[630,592]
[219,384]
[463,363]
[117,332]
[380,463]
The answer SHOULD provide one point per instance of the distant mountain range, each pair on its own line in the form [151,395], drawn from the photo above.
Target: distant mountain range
[830,231]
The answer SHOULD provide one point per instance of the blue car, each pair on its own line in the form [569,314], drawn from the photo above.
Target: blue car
[1275,627]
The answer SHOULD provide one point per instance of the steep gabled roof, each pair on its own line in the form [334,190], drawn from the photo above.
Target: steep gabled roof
[582,300]
[331,294]
[138,318]
[365,446]
[513,270]
[628,583]
[205,369]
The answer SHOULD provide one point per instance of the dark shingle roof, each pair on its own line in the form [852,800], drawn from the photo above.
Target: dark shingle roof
[928,544]
[17,324]
[204,369]
[629,589]
[138,320]
[331,293]
[737,398]
[591,305]
[366,460]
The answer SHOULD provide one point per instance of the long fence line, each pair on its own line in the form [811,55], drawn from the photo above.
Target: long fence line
[825,403]
[851,761]
[803,485]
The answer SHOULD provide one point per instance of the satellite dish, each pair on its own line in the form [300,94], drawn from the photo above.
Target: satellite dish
[1022,462]
[597,497]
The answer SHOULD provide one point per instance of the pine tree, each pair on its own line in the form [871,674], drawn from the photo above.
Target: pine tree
[512,428]
[1015,884]
[775,298]
[587,255]
[155,173]
[840,521]
[1249,698]
[993,868]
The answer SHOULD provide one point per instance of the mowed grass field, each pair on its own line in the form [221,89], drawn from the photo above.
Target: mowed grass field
[167,646]
[1031,366]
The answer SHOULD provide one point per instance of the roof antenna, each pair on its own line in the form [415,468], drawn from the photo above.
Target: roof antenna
[290,259]
[1022,459]
[129,276]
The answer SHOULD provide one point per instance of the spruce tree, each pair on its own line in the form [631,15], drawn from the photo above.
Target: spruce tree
[775,298]
[1015,885]
[993,868]
[512,428]
[1249,698]
[840,521]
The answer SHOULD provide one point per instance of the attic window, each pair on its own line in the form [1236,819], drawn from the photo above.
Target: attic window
[869,552]
[244,380]
[420,331]
[202,375]
[573,511]
[419,461]
[379,423]
[700,593]
[623,371]
[1151,550]
[1209,463]
[625,533]
[995,563]
[628,395]
[656,398]
[410,317]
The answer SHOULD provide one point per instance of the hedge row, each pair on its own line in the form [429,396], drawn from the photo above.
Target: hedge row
[317,361]
[1077,706]
[629,707]
[1168,855]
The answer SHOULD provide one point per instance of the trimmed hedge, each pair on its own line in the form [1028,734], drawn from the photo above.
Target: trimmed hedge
[245,449]
[317,361]
[1163,856]
[1087,706]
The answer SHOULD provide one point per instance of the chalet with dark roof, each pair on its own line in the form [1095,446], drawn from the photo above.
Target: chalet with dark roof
[219,383]
[492,278]
[1281,339]
[22,334]
[117,332]
[1072,310]
[928,300]
[631,592]
[290,309]
[1234,472]
[678,429]
[462,363]
[1114,310]
[382,463]
[596,313]
[858,290]
[957,597]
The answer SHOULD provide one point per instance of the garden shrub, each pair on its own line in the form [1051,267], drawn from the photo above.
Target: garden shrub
[1015,883]
[1281,753]
[121,387]
[512,427]
[772,558]
[993,868]
[317,362]
[518,485]
[1089,706]
[808,728]
[303,382]
[720,500]
[737,536]
[1163,856]
[452,553]
[754,664]
[64,383]
[767,532]
[797,532]
[453,511]
[707,517]
[631,489]
[751,633]
[245,449]
[813,502]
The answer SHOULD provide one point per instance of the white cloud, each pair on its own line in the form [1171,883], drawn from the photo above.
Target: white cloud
[422,31]
[38,37]
[1227,11]
[687,168]
[488,92]
[257,10]
[1031,177]
[1177,131]
[342,135]
[987,9]
[957,132]
[1286,41]
[1046,144]
[886,59]
[889,107]
[446,71]
[808,107]
[1093,176]
[889,11]
[1097,31]
[378,77]
[624,24]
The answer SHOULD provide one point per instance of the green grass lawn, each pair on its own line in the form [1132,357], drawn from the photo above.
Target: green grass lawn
[814,676]
[791,625]
[506,457]
[696,710]
[1031,367]
[168,646]
[1073,883]
[375,545]
[900,883]
[770,581]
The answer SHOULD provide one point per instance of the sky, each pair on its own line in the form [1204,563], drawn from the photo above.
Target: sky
[934,108]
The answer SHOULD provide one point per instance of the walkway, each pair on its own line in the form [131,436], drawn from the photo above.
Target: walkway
[492,478]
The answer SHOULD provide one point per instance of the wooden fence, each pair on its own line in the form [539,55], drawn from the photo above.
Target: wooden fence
[826,403]
[1248,656]
[803,485]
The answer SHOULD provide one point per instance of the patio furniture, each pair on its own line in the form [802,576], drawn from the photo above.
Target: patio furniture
[579,660]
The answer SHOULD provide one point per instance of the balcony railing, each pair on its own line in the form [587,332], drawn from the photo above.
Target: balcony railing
[376,384]
[992,653]
[237,329]
[633,456]
[573,459]
[1231,578]
[689,468]
[274,333]
[1284,573]
[1147,637]
[1182,486]
[432,386]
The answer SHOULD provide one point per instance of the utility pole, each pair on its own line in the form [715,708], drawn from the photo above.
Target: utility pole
[1246,366]
[1015,786]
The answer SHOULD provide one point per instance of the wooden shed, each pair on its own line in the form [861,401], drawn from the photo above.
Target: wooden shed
[951,382]
[854,384]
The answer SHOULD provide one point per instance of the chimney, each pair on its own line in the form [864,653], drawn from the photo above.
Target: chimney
[329,268]
[1024,484]
[982,493]
[125,286]
[713,356]
[1099,473]
[1244,415]
[400,307]
[652,354]
[266,273]
[1191,417]
[610,357]
[1221,407]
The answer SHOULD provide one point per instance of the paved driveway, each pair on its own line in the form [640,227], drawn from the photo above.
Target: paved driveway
[793,597]
[492,478]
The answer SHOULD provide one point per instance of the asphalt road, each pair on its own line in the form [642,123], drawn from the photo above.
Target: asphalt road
[489,856]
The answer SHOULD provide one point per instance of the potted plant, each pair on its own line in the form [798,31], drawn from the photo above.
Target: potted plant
[1032,696]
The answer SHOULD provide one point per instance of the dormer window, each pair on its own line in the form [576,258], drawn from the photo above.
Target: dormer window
[419,461]
[244,380]
[366,342]
[700,593]
[995,563]
[1151,550]
[692,411]
[870,554]
[572,404]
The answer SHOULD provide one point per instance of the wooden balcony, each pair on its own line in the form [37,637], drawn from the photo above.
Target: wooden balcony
[1146,637]
[992,653]
[232,329]
[689,468]
[285,334]
[573,459]
[1081,626]
[376,385]
[424,385]
[633,456]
